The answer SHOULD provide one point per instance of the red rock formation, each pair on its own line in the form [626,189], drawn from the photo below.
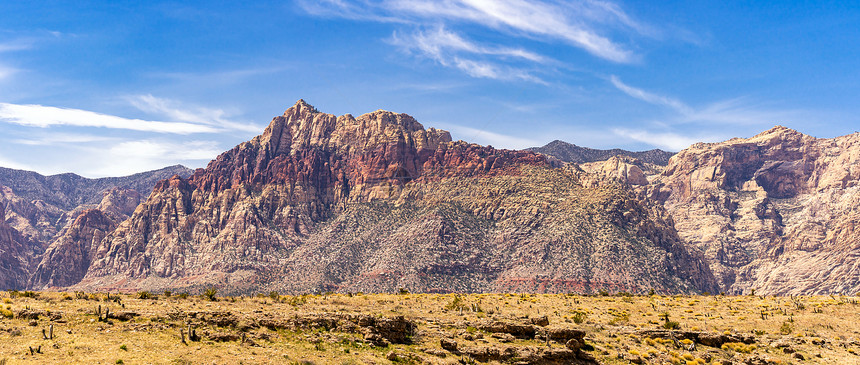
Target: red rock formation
[319,202]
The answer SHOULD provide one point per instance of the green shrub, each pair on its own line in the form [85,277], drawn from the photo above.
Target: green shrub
[209,294]
[579,317]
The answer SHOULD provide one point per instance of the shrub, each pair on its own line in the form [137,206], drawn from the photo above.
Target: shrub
[123,347]
[297,300]
[738,347]
[209,294]
[275,296]
[579,317]
[145,295]
[786,328]
[6,313]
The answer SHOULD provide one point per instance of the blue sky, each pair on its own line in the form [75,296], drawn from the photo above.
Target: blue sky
[105,88]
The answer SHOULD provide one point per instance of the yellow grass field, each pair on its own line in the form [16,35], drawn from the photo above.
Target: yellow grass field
[149,328]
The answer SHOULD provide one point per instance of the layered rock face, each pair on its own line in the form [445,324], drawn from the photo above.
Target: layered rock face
[776,212]
[377,202]
[53,211]
[16,256]
[68,258]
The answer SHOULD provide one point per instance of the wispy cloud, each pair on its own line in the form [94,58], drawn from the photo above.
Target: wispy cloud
[733,111]
[129,157]
[488,138]
[710,120]
[452,50]
[46,116]
[53,139]
[651,98]
[16,45]
[6,71]
[585,24]
[177,111]
[668,140]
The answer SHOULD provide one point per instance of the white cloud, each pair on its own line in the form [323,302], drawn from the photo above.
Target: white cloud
[174,110]
[6,72]
[53,139]
[669,141]
[438,42]
[46,116]
[485,137]
[5,162]
[733,111]
[129,157]
[16,45]
[451,50]
[649,97]
[574,23]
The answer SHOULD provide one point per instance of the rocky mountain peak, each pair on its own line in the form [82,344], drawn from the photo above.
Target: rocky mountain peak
[302,126]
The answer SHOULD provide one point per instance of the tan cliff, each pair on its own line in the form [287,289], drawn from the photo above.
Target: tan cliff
[775,213]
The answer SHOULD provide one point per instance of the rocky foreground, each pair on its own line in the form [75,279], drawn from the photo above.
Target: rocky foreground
[426,329]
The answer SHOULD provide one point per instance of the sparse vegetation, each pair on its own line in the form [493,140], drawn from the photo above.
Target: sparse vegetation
[210,293]
[256,329]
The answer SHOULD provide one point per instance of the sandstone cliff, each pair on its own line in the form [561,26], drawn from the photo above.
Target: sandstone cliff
[377,202]
[776,212]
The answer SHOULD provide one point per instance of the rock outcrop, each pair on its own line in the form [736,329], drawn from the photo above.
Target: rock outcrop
[776,213]
[376,203]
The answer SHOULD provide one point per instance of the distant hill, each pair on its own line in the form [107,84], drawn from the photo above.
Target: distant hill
[569,152]
[67,191]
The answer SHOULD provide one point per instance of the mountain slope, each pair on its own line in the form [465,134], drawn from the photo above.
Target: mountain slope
[569,152]
[319,203]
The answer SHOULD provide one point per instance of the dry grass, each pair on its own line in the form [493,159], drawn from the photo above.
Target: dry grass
[821,329]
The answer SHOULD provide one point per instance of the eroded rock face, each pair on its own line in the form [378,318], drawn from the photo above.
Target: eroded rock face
[775,212]
[377,202]
[17,254]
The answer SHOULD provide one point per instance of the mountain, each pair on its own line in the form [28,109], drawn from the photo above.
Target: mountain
[378,202]
[569,152]
[17,255]
[68,191]
[40,213]
[776,213]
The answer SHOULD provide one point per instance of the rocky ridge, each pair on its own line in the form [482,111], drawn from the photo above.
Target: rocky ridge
[775,213]
[572,153]
[377,202]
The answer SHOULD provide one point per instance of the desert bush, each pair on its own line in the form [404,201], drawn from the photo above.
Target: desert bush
[209,294]
[145,295]
[786,328]
[739,347]
[297,300]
